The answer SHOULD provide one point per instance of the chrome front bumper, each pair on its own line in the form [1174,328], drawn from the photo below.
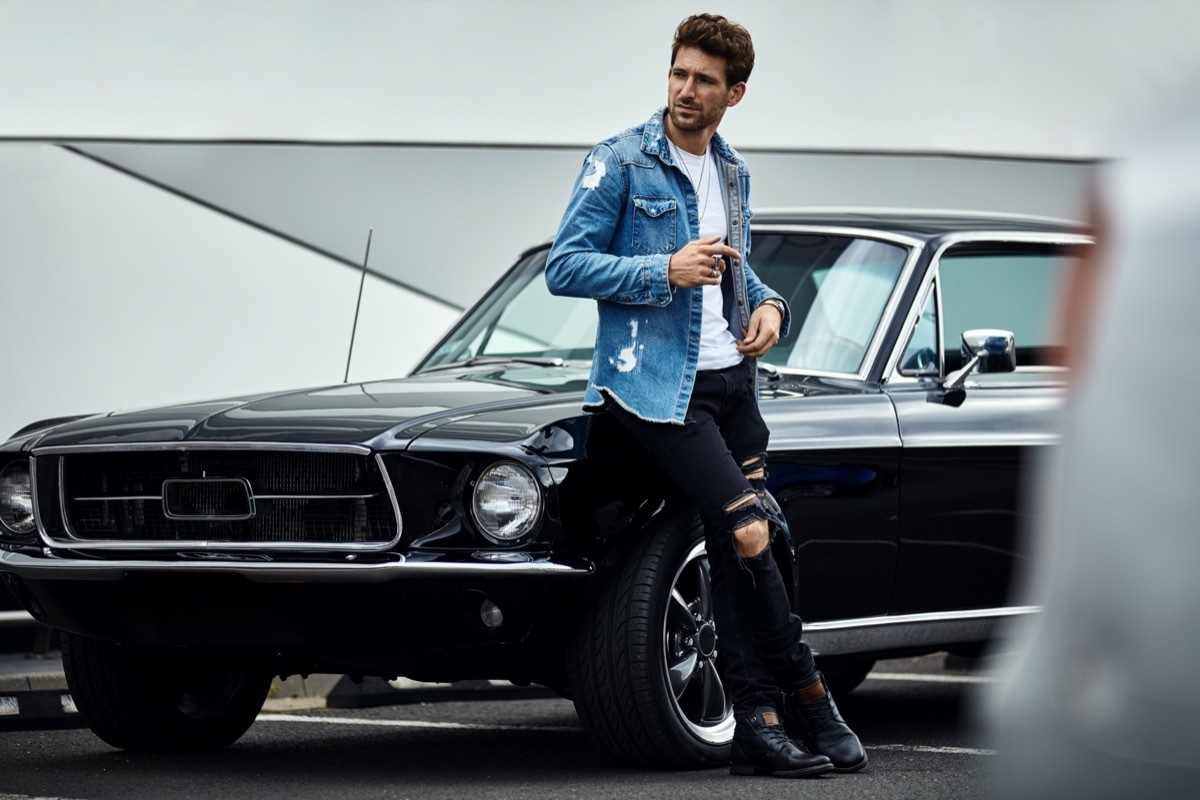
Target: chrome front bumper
[468,565]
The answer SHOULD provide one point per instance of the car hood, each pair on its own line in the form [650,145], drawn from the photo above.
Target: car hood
[381,414]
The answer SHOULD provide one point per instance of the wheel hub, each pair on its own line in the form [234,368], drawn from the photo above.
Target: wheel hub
[706,640]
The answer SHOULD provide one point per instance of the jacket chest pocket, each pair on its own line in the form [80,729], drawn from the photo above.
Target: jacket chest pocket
[654,224]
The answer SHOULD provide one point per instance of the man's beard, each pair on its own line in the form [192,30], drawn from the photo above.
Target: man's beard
[699,122]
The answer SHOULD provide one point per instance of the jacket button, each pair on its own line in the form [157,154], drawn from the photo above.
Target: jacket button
[735,223]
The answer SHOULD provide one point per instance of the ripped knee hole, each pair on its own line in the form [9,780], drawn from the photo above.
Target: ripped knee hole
[755,469]
[752,539]
[742,500]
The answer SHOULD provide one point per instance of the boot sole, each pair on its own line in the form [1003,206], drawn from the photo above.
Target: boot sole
[851,768]
[750,769]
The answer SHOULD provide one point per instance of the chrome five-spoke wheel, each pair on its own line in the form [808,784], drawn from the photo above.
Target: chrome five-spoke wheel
[691,654]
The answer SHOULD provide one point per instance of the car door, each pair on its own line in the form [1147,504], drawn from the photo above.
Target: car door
[834,443]
[966,455]
[833,472]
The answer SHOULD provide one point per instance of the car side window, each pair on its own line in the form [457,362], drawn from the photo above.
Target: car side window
[1010,287]
[837,288]
[921,354]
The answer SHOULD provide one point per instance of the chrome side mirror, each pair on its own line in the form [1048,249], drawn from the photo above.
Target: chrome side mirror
[986,350]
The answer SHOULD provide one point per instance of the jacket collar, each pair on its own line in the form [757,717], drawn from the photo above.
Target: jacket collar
[655,143]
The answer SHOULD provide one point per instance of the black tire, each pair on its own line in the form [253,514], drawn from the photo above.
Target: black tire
[160,699]
[644,670]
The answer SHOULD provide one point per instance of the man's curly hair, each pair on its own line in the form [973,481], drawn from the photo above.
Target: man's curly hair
[719,37]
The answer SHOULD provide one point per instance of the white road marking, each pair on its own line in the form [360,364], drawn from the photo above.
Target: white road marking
[407,723]
[929,678]
[916,748]
[882,676]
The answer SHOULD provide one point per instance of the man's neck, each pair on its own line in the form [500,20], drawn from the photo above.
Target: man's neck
[694,142]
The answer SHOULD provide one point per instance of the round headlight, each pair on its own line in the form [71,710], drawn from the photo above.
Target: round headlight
[16,497]
[507,502]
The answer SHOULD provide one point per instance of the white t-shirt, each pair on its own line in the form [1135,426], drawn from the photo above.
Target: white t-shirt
[718,347]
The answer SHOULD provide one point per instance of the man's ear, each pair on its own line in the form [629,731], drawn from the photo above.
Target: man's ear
[736,93]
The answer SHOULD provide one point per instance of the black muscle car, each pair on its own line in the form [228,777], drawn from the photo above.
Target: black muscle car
[469,521]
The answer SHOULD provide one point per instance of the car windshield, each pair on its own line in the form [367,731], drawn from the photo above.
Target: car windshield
[837,288]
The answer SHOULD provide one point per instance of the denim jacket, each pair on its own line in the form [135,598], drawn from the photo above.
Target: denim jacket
[630,210]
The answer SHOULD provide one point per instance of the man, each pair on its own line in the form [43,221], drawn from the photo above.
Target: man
[656,231]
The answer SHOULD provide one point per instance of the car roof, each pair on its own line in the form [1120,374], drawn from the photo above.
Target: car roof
[915,222]
[919,223]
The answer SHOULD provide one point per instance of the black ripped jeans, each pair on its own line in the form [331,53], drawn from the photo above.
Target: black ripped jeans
[711,458]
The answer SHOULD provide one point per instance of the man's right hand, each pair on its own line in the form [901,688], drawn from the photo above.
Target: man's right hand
[694,264]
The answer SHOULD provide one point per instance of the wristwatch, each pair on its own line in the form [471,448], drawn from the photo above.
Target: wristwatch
[777,303]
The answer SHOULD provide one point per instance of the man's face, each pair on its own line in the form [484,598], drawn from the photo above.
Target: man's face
[697,90]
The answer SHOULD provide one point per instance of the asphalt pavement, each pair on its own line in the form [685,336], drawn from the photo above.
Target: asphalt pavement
[915,716]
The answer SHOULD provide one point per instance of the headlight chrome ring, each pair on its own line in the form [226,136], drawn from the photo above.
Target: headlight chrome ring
[16,498]
[507,502]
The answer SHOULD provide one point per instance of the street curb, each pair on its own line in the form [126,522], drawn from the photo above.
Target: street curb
[38,709]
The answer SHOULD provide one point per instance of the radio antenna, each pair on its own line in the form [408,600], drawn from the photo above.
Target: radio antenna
[358,305]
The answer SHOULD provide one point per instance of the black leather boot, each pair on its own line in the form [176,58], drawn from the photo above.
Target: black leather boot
[761,747]
[819,725]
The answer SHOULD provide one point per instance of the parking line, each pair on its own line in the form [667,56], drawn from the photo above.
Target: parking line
[407,723]
[917,748]
[469,726]
[930,678]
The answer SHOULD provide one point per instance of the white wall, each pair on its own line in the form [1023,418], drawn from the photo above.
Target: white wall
[117,295]
[1012,77]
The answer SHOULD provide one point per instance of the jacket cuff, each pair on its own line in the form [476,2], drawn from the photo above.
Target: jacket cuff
[655,273]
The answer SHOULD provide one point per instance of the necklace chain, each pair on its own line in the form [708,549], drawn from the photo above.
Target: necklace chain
[701,187]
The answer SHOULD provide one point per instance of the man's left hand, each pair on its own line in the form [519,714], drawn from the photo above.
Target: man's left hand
[763,332]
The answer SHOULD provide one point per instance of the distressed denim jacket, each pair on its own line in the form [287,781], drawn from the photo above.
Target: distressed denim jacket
[630,210]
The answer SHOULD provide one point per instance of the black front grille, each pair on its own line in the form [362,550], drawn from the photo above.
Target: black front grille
[297,497]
